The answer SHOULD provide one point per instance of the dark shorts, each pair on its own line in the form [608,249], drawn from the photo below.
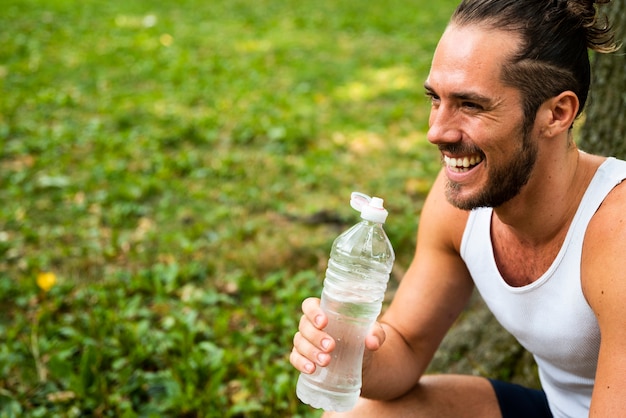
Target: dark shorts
[519,402]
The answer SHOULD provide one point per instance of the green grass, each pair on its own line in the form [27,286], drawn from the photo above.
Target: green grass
[166,162]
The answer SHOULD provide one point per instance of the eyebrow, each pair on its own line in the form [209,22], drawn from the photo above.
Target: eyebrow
[462,95]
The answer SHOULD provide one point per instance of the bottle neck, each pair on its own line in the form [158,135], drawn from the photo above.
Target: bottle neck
[371,223]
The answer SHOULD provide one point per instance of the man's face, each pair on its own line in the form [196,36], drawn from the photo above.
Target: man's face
[476,121]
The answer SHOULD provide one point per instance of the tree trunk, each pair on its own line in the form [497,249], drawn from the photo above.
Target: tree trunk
[604,130]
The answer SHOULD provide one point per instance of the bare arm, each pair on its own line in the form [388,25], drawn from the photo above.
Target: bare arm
[604,284]
[431,295]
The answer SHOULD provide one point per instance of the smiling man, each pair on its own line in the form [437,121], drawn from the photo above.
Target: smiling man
[519,212]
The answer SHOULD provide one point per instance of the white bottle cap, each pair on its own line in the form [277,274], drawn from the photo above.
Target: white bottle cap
[371,208]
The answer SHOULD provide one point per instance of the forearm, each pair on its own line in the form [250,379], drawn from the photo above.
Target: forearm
[393,369]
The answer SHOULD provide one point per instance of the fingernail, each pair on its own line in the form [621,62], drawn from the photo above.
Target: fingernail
[322,358]
[325,343]
[318,320]
[308,368]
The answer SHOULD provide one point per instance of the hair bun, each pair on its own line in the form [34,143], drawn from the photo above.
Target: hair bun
[598,32]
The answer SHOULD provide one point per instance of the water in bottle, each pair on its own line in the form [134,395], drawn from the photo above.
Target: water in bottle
[354,288]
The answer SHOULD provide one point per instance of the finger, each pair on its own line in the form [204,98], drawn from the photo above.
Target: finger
[300,362]
[317,338]
[305,356]
[311,309]
[376,337]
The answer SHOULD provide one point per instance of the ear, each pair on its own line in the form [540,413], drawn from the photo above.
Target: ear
[558,113]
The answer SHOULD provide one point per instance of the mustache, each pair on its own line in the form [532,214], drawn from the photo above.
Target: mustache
[459,149]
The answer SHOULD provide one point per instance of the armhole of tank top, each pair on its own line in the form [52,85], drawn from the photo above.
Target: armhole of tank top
[469,226]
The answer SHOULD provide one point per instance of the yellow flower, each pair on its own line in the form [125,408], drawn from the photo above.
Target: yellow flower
[46,281]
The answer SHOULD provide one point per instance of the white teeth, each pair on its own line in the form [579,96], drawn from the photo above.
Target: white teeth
[462,164]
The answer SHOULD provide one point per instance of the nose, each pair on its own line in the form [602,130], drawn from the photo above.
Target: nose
[443,125]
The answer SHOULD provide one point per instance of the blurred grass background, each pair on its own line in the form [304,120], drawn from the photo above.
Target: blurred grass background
[174,174]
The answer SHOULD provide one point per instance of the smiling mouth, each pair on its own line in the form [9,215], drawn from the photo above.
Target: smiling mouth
[462,164]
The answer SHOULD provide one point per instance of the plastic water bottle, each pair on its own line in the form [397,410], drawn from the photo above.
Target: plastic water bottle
[354,288]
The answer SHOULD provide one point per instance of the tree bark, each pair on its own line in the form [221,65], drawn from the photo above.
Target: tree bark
[604,129]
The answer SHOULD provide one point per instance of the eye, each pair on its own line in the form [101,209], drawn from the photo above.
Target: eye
[472,105]
[432,97]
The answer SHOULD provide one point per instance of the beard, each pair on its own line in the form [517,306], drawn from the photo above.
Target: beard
[504,181]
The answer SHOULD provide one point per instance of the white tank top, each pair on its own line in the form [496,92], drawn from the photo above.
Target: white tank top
[549,317]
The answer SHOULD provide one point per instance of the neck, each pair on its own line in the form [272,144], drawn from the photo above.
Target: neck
[545,207]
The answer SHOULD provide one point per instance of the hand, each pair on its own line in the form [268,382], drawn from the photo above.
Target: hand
[312,346]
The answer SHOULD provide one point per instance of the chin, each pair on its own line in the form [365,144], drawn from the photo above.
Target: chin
[460,202]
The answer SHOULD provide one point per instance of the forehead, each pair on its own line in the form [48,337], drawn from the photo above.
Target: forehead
[471,57]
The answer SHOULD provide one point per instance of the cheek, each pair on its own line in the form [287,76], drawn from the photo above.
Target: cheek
[497,145]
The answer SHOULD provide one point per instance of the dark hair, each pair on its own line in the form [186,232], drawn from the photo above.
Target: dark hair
[555,38]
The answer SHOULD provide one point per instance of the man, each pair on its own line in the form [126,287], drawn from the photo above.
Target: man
[517,210]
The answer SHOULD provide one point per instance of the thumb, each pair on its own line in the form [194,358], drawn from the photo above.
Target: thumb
[375,338]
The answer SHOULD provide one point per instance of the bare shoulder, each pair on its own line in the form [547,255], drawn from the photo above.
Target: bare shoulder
[440,220]
[603,264]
